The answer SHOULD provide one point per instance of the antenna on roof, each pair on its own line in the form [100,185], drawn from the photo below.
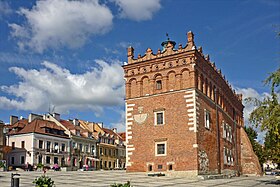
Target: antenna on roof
[53,109]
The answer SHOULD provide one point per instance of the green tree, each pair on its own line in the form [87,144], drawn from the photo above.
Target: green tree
[266,115]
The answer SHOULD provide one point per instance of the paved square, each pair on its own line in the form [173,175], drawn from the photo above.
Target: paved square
[106,178]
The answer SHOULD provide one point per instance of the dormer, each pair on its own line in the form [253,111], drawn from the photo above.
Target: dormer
[77,132]
[76,122]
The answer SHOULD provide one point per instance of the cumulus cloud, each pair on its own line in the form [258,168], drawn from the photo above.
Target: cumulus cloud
[120,125]
[103,86]
[5,9]
[138,10]
[59,23]
[249,107]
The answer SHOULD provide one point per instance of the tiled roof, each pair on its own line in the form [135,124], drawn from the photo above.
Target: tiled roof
[71,126]
[111,132]
[36,126]
[122,135]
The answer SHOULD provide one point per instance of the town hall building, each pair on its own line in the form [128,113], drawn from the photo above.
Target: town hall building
[182,116]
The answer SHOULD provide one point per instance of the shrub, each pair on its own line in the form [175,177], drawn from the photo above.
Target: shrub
[127,184]
[40,165]
[43,181]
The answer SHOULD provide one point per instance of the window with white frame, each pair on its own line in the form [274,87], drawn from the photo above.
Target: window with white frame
[228,157]
[159,117]
[160,148]
[207,118]
[227,132]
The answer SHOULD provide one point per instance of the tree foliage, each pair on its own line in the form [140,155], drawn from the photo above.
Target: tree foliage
[266,115]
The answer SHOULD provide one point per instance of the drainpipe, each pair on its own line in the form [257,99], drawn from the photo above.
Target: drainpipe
[235,143]
[218,133]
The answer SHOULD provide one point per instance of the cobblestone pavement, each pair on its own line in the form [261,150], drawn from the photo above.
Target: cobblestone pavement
[106,178]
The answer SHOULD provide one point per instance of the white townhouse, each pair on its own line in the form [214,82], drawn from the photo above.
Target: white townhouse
[36,140]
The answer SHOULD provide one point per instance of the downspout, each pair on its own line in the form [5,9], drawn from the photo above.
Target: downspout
[235,143]
[218,134]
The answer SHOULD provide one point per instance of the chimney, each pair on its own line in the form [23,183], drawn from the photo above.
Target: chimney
[100,124]
[76,122]
[32,116]
[114,130]
[56,116]
[13,119]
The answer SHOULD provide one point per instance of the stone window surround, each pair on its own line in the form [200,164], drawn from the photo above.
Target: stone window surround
[155,116]
[165,148]
[207,121]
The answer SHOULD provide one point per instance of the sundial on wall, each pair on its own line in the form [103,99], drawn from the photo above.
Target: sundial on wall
[140,118]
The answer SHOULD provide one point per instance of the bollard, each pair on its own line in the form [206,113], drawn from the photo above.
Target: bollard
[15,180]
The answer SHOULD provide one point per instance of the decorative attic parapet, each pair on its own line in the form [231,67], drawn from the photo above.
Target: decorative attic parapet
[168,49]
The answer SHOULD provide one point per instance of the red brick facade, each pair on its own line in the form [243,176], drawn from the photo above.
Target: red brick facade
[184,87]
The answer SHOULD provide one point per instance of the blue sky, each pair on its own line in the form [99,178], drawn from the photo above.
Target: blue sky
[66,56]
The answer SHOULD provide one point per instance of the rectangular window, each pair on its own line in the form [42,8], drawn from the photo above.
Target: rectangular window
[150,168]
[207,119]
[62,161]
[92,149]
[158,85]
[159,166]
[48,160]
[100,151]
[22,144]
[78,133]
[81,147]
[48,146]
[170,167]
[159,118]
[22,160]
[12,160]
[74,144]
[160,148]
[63,147]
[86,148]
[13,145]
[55,160]
[41,144]
[56,147]
[40,159]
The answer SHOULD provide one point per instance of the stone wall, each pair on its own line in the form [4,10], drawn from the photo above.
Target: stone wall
[249,160]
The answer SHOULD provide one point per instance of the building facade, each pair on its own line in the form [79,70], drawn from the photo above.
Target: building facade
[182,116]
[35,141]
[83,145]
[110,146]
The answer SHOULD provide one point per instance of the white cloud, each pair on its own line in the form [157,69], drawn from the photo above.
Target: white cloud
[138,10]
[120,125]
[101,87]
[5,9]
[59,23]
[249,93]
[249,107]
